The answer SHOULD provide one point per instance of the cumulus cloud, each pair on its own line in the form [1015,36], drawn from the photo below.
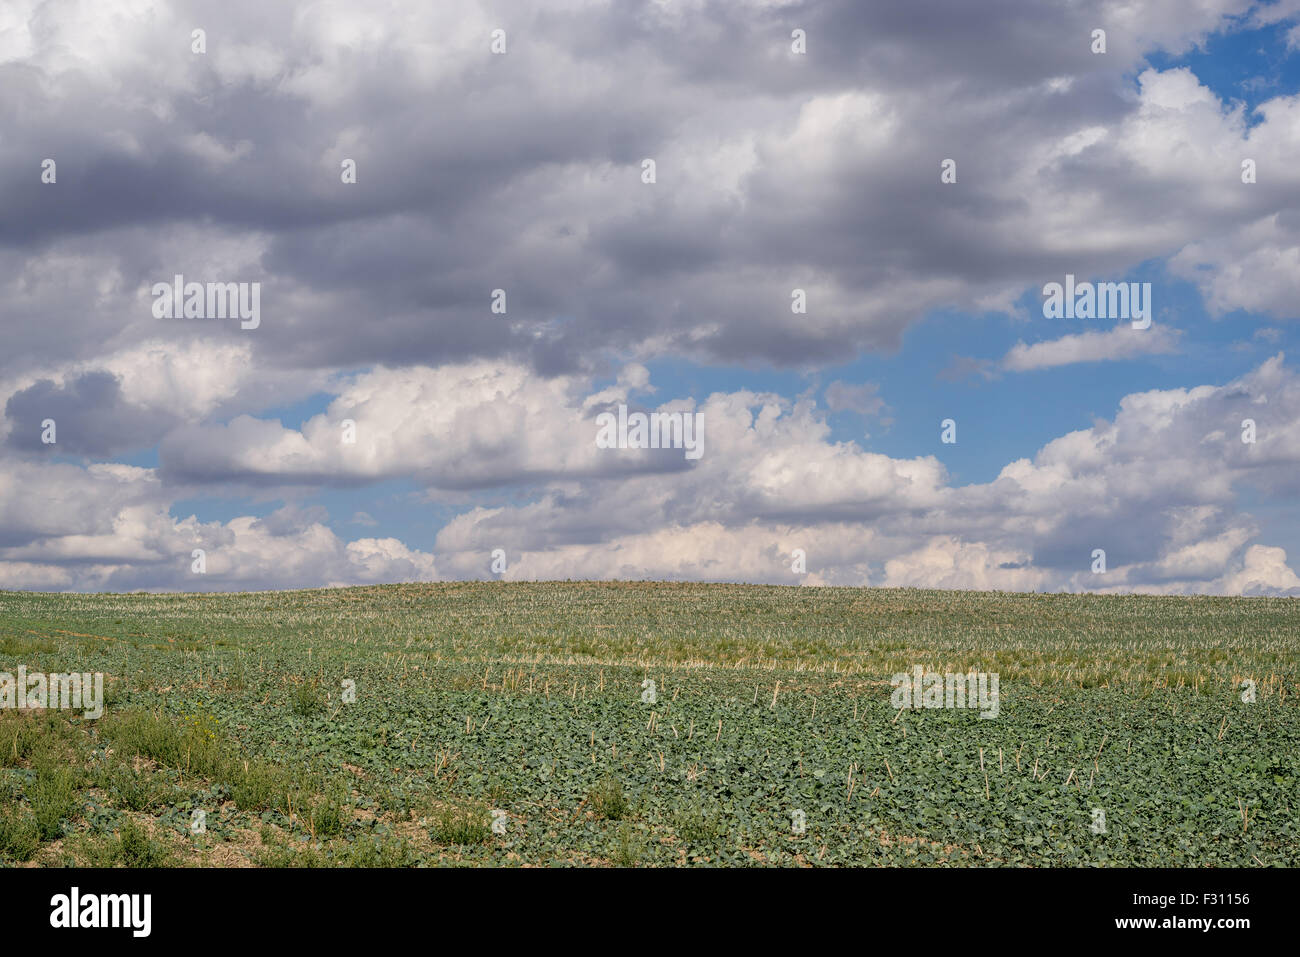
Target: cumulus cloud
[1155,487]
[1255,267]
[147,548]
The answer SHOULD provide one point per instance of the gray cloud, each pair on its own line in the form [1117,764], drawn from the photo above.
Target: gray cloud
[90,414]
[522,171]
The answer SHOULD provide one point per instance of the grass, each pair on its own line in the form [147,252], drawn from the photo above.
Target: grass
[461,825]
[527,698]
[135,789]
[19,836]
[307,700]
[135,848]
[608,799]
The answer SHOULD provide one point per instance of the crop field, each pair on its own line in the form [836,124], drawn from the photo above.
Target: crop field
[470,724]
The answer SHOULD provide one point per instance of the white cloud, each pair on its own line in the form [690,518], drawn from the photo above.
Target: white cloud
[1256,268]
[1122,342]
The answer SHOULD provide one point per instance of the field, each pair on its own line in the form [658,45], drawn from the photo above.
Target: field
[1122,737]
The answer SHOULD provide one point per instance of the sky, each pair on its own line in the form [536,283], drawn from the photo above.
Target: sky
[826,232]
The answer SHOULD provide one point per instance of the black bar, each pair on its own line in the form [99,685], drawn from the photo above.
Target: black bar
[337,906]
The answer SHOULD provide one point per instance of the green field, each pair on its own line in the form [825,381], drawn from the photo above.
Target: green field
[527,699]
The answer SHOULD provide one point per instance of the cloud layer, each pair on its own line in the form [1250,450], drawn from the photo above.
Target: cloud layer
[778,176]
